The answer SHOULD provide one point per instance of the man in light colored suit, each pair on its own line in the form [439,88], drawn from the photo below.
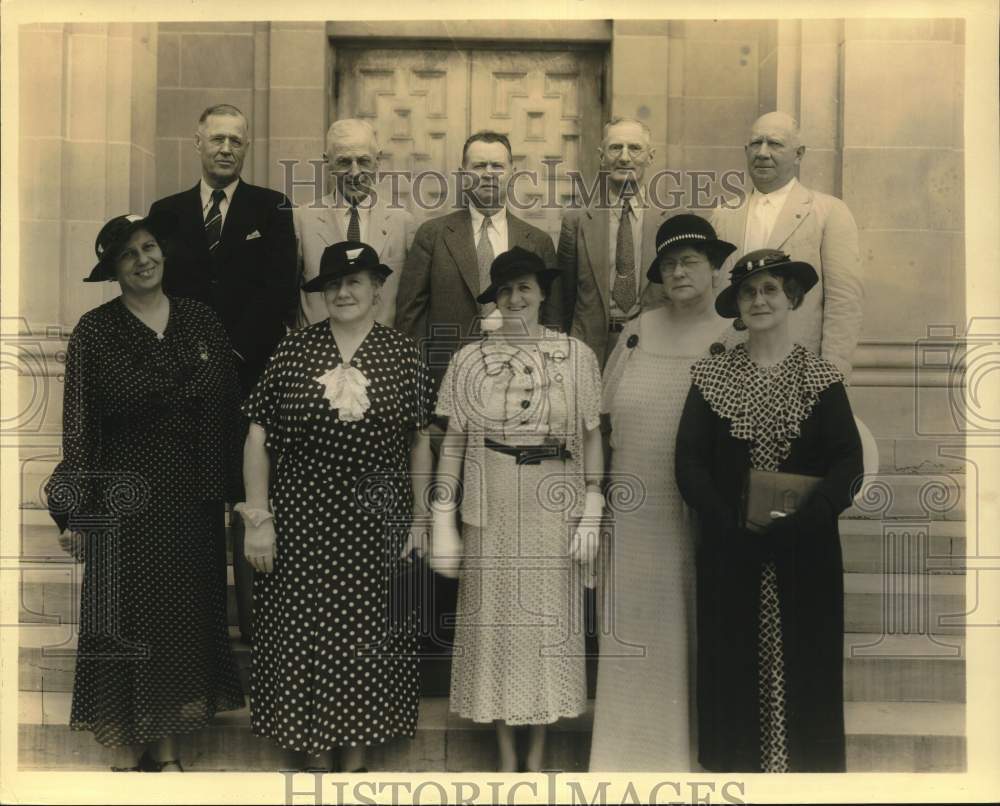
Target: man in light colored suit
[781,213]
[352,210]
[449,264]
[605,249]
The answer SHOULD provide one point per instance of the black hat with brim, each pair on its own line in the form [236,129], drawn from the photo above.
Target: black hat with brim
[772,261]
[344,258]
[511,264]
[115,234]
[685,229]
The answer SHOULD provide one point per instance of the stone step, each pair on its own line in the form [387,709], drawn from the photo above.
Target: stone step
[882,737]
[876,668]
[869,546]
[873,603]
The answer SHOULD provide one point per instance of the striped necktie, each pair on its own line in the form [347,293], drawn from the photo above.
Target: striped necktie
[623,292]
[354,225]
[213,222]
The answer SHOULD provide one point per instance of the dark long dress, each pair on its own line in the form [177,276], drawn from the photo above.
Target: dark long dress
[796,418]
[330,666]
[150,443]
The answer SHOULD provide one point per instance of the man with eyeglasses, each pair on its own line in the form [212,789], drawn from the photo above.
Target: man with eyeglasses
[604,248]
[234,250]
[353,209]
[781,213]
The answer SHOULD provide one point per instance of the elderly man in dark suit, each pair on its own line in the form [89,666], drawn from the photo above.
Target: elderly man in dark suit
[605,249]
[448,265]
[234,250]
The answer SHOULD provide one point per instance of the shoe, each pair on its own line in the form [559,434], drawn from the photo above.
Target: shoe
[355,772]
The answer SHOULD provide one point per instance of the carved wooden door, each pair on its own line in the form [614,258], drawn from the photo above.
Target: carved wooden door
[424,103]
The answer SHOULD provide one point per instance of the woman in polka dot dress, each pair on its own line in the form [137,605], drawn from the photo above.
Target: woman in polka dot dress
[523,417]
[337,426]
[151,437]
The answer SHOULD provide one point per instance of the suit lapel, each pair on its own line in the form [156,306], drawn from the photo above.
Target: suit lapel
[237,217]
[792,214]
[377,229]
[193,213]
[594,225]
[458,240]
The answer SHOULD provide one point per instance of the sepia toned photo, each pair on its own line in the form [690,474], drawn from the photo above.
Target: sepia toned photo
[582,408]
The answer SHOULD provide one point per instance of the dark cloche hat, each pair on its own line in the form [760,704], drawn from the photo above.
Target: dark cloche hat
[117,231]
[773,261]
[346,257]
[514,263]
[685,229]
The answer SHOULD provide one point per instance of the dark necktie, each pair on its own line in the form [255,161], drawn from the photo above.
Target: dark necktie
[213,222]
[354,225]
[623,292]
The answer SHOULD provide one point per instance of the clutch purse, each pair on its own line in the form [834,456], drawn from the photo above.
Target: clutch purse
[768,495]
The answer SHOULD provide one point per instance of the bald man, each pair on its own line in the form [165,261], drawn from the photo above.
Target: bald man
[781,213]
[353,209]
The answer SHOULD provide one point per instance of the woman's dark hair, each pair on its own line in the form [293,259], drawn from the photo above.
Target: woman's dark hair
[792,288]
[544,280]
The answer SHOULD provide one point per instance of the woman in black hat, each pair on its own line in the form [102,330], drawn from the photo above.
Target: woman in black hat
[522,409]
[336,460]
[770,604]
[643,712]
[151,443]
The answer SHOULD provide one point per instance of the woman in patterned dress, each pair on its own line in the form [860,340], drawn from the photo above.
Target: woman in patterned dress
[522,409]
[644,710]
[337,446]
[151,436]
[770,606]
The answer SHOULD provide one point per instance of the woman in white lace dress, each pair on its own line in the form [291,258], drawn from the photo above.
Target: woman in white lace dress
[523,419]
[644,712]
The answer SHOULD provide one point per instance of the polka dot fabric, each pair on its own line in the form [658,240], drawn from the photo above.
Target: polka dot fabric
[329,665]
[151,436]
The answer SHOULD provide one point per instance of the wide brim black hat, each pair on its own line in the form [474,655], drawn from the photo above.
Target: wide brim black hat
[686,229]
[514,263]
[116,232]
[772,261]
[344,258]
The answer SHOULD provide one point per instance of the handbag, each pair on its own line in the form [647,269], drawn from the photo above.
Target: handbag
[768,495]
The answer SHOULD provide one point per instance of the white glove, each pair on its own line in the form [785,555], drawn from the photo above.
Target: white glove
[446,541]
[416,540]
[587,537]
[260,545]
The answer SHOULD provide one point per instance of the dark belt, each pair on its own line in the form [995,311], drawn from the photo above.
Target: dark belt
[530,454]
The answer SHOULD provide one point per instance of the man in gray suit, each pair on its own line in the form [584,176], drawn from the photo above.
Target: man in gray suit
[781,213]
[449,263]
[605,249]
[353,209]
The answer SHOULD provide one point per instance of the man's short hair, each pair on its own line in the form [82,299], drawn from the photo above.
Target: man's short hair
[341,127]
[487,136]
[625,119]
[223,109]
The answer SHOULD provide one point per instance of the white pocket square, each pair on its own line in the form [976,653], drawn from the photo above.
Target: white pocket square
[252,235]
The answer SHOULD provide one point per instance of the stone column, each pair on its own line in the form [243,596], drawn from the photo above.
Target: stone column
[88,111]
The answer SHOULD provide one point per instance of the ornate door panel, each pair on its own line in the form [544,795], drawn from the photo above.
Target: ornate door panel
[417,102]
[424,103]
[548,104]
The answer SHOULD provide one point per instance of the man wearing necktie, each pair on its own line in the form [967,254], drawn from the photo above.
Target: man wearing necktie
[355,208]
[781,213]
[234,250]
[602,248]
[449,263]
